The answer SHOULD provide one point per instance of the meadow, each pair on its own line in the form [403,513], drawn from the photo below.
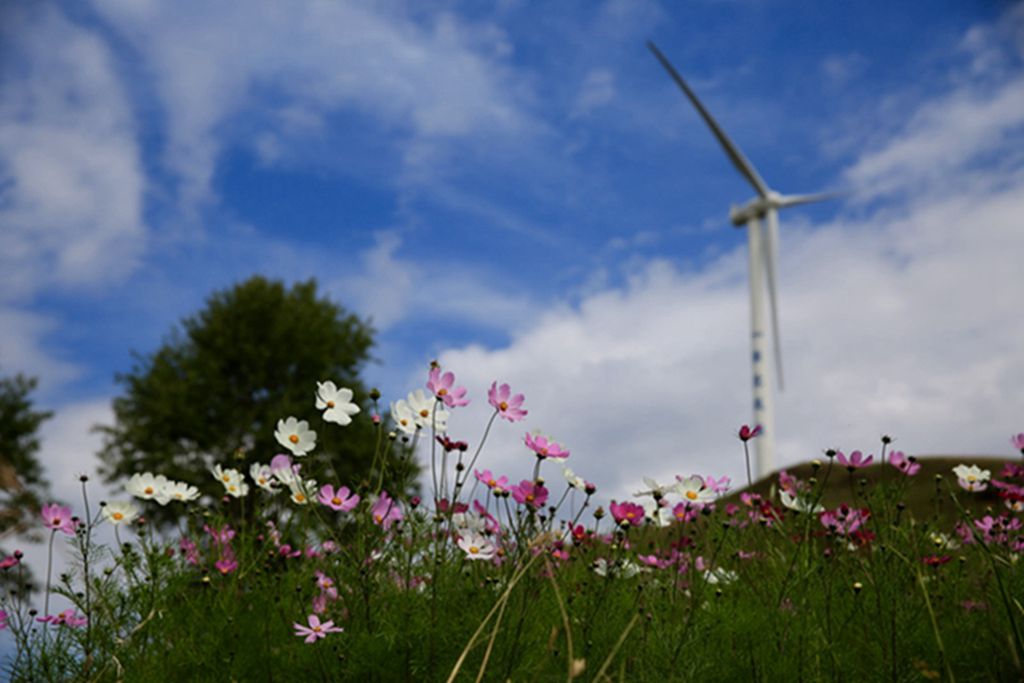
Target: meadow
[852,567]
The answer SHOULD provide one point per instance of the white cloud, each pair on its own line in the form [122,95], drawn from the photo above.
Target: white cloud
[70,178]
[430,80]
[899,320]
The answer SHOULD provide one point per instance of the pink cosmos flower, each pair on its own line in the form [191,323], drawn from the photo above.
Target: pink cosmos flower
[385,511]
[530,493]
[227,562]
[907,466]
[508,406]
[844,520]
[720,485]
[326,585]
[490,480]
[9,561]
[3,620]
[316,630]
[341,499]
[1017,441]
[684,512]
[441,386]
[746,433]
[220,536]
[491,524]
[855,461]
[58,518]
[544,448]
[189,549]
[66,618]
[627,514]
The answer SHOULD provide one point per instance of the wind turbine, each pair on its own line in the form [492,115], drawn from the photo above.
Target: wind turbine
[761,217]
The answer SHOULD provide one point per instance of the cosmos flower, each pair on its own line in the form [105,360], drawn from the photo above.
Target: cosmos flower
[425,413]
[385,511]
[148,487]
[341,499]
[295,435]
[316,630]
[58,518]
[181,491]
[694,491]
[477,546]
[972,478]
[263,476]
[627,514]
[507,405]
[746,433]
[441,385]
[799,503]
[908,466]
[530,493]
[336,403]
[491,481]
[855,461]
[545,448]
[234,483]
[119,512]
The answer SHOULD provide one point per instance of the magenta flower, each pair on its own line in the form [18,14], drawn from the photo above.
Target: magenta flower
[189,549]
[220,536]
[746,433]
[508,406]
[66,618]
[491,481]
[844,520]
[385,511]
[441,386]
[9,561]
[720,485]
[3,620]
[316,630]
[341,499]
[545,448]
[530,493]
[58,518]
[855,461]
[1017,441]
[627,514]
[907,466]
[227,562]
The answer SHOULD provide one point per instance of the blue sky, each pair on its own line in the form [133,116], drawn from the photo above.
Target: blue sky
[520,191]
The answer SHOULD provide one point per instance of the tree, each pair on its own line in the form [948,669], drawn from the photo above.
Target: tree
[214,391]
[22,485]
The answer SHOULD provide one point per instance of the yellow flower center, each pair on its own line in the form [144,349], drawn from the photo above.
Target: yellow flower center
[473,550]
[336,500]
[225,477]
[971,478]
[529,498]
[503,406]
[330,404]
[442,392]
[491,482]
[299,498]
[692,495]
[117,516]
[148,491]
[424,413]
[630,515]
[294,438]
[378,518]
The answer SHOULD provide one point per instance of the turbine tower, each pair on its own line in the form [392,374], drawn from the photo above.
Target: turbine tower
[761,217]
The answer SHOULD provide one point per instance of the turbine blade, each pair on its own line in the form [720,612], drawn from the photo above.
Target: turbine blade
[798,199]
[771,257]
[739,161]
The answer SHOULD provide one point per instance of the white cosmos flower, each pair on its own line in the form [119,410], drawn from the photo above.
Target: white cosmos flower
[148,487]
[660,515]
[720,576]
[302,491]
[694,492]
[336,403]
[119,512]
[263,476]
[180,490]
[423,409]
[477,546]
[799,504]
[469,521]
[574,480]
[655,489]
[404,417]
[232,479]
[972,477]
[295,435]
[624,569]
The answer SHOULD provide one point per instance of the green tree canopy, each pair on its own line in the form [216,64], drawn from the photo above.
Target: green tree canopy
[214,391]
[22,485]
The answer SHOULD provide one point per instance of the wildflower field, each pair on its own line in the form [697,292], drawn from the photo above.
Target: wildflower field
[857,568]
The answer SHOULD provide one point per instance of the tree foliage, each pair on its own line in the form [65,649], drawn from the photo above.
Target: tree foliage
[22,484]
[214,391]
